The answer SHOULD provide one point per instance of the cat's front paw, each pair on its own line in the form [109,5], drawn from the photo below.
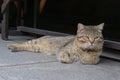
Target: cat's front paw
[64,58]
[92,61]
[12,47]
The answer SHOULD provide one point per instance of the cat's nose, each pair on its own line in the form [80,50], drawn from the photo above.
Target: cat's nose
[91,41]
[92,44]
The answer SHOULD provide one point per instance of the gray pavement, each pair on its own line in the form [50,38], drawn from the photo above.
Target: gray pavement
[37,66]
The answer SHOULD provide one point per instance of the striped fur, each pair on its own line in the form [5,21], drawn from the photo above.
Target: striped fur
[85,47]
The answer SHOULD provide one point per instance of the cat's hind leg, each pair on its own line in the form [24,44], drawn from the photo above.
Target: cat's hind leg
[16,47]
[31,45]
[23,47]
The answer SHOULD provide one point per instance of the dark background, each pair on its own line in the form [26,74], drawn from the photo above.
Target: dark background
[63,16]
[0,10]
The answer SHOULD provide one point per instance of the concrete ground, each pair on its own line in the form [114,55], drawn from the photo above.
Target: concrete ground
[36,66]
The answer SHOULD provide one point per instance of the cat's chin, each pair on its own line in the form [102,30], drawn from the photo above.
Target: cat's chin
[90,50]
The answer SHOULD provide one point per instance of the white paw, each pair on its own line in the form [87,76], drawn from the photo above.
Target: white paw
[12,47]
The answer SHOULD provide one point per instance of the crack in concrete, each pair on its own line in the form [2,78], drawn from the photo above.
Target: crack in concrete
[32,63]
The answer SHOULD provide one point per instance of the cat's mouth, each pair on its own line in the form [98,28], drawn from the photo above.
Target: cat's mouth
[90,49]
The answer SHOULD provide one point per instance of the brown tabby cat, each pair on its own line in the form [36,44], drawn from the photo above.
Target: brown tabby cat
[85,47]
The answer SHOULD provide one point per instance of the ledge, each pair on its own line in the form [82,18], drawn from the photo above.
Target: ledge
[108,43]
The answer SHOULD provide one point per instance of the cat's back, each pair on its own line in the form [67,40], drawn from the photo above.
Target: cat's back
[60,40]
[55,41]
[50,44]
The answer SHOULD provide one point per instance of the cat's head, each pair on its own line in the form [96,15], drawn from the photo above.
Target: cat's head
[90,37]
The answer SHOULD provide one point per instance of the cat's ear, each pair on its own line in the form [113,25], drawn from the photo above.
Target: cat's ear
[100,26]
[80,27]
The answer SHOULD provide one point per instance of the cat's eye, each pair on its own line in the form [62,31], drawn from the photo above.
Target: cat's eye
[80,37]
[83,37]
[97,37]
[81,40]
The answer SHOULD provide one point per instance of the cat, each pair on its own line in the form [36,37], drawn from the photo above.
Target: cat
[86,46]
